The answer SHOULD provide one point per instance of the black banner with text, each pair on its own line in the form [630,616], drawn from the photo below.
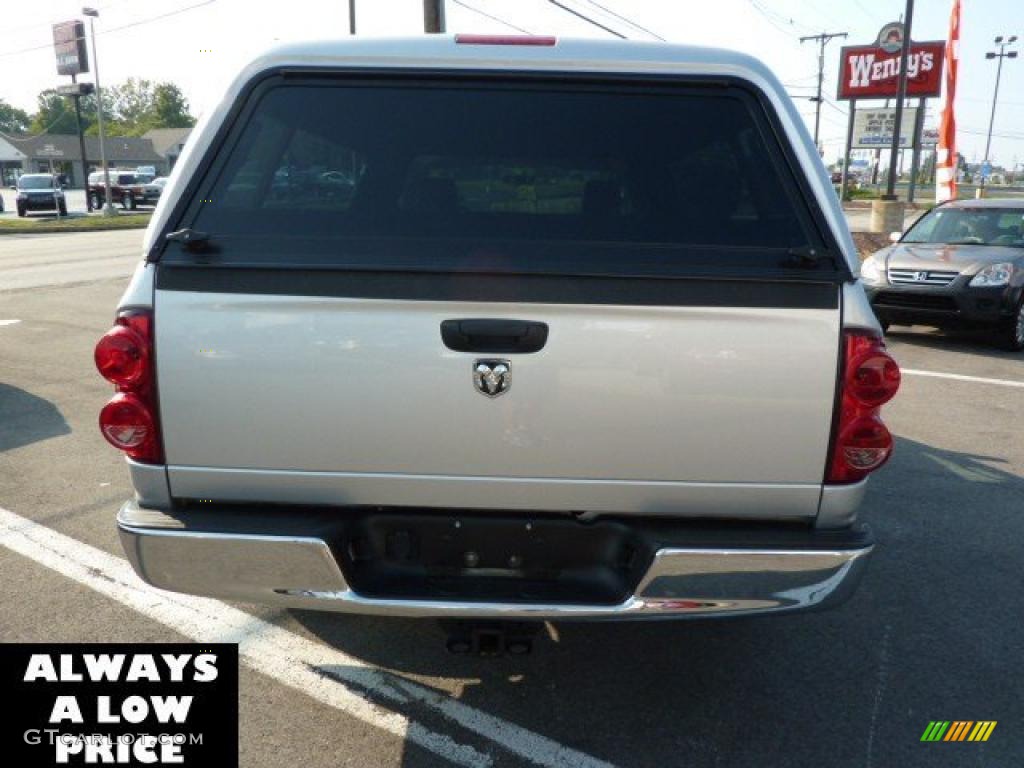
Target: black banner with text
[120,704]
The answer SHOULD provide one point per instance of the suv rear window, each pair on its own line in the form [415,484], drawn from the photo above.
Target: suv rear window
[604,177]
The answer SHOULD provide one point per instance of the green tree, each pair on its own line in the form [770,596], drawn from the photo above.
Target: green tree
[170,107]
[55,114]
[131,103]
[12,119]
[138,105]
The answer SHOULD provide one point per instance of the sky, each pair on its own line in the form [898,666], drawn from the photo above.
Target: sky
[201,44]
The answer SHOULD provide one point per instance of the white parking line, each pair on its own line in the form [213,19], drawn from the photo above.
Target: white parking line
[9,322]
[327,674]
[962,377]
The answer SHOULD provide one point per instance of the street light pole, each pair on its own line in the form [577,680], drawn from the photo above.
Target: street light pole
[1003,54]
[108,208]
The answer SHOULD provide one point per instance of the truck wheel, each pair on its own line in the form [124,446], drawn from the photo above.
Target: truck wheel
[1011,335]
[128,201]
[97,201]
[21,211]
[62,209]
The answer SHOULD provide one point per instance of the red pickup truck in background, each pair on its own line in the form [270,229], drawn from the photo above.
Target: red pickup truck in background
[128,189]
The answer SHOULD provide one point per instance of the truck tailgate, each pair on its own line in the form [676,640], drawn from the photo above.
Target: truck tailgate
[650,404]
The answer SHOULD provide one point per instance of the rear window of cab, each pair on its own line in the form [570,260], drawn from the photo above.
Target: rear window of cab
[512,177]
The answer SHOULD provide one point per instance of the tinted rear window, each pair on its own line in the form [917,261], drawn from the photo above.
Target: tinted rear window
[378,175]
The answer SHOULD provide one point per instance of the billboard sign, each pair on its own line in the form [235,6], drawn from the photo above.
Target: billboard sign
[873,71]
[872,128]
[69,45]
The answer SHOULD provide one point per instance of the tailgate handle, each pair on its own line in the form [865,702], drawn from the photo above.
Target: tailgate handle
[492,336]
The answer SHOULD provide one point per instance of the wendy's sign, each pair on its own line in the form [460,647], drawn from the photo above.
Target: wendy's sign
[873,71]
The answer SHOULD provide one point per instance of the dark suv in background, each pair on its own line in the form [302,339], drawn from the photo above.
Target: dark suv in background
[40,192]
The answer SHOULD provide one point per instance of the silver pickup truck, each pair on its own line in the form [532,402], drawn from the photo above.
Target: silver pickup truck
[499,327]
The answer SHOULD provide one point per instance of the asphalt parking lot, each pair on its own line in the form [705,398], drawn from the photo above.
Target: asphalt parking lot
[934,632]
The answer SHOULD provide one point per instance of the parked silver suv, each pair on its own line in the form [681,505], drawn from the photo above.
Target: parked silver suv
[499,327]
[959,265]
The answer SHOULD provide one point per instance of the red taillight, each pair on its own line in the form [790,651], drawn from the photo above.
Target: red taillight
[127,423]
[124,356]
[464,39]
[866,444]
[861,442]
[872,377]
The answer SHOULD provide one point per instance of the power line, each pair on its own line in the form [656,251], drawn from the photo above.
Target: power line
[129,25]
[492,18]
[775,19]
[864,10]
[1002,102]
[1016,136]
[770,20]
[835,106]
[49,25]
[587,19]
[822,13]
[631,23]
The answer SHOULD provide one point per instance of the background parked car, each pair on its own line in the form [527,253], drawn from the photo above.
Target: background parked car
[155,188]
[960,264]
[128,189]
[40,192]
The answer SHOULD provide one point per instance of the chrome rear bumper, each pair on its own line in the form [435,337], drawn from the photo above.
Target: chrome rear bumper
[301,571]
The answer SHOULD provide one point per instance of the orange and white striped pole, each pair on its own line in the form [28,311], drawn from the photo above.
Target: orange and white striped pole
[945,154]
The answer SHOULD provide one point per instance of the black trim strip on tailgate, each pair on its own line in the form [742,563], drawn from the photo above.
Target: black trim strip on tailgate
[535,289]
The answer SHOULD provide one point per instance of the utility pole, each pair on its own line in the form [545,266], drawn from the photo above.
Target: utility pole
[108,208]
[76,91]
[822,40]
[433,16]
[351,17]
[1003,54]
[81,146]
[901,96]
